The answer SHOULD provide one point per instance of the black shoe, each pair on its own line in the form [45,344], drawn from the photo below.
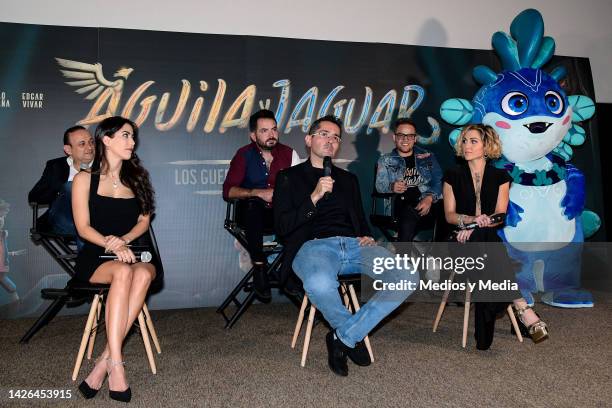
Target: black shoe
[336,355]
[87,391]
[261,286]
[359,354]
[121,396]
[293,287]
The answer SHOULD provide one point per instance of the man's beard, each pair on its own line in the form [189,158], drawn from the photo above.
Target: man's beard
[264,146]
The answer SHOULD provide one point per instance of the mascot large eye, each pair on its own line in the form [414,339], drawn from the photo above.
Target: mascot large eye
[554,102]
[514,103]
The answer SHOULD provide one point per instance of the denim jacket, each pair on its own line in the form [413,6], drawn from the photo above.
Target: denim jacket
[391,167]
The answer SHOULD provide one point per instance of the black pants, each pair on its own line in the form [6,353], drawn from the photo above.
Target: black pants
[504,268]
[255,218]
[408,218]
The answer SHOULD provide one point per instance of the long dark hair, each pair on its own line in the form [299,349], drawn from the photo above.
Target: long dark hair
[132,173]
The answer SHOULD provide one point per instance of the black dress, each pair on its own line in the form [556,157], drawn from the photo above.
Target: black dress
[111,216]
[460,179]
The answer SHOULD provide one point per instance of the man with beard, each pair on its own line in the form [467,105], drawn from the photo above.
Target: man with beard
[251,178]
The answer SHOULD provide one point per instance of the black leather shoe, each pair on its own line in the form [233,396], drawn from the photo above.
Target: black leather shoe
[359,354]
[293,287]
[261,286]
[336,355]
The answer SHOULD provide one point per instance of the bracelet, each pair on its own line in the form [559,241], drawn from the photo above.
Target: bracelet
[460,221]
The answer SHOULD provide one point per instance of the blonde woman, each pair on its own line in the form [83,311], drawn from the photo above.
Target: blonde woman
[474,191]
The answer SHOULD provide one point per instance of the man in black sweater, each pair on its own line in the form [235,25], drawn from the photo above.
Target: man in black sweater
[321,222]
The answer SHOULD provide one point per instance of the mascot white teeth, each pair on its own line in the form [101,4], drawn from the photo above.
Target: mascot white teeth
[536,122]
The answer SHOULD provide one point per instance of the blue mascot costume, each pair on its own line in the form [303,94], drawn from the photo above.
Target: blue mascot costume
[546,221]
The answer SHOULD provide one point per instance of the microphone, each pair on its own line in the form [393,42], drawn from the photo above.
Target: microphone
[495,218]
[144,256]
[327,169]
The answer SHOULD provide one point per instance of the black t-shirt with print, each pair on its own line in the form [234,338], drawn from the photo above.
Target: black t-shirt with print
[412,178]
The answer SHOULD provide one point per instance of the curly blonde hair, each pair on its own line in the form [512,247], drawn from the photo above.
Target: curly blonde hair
[489,137]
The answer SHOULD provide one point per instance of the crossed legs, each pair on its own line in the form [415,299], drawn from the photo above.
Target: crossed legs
[319,263]
[129,286]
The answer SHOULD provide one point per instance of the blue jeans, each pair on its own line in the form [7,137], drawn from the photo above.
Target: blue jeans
[60,214]
[319,262]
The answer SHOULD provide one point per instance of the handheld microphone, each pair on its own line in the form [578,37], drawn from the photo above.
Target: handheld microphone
[144,256]
[495,218]
[327,169]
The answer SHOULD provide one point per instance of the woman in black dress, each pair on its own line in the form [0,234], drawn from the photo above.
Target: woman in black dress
[473,191]
[112,207]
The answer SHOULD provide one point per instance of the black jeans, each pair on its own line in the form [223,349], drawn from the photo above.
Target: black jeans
[257,219]
[407,217]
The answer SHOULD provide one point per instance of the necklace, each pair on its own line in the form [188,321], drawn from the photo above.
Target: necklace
[114,181]
[477,186]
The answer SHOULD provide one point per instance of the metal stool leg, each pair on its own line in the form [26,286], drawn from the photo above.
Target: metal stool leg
[45,318]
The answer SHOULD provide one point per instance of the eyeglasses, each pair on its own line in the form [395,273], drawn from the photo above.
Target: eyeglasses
[405,136]
[332,137]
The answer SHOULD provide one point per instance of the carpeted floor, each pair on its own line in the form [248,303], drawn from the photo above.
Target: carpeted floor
[252,365]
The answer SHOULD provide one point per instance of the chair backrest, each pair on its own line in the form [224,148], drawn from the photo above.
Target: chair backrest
[376,196]
[155,248]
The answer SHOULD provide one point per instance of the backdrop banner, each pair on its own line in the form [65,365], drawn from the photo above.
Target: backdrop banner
[192,95]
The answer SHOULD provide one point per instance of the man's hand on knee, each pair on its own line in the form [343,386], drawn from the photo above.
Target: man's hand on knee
[366,241]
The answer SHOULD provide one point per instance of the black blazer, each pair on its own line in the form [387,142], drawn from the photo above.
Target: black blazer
[294,210]
[54,176]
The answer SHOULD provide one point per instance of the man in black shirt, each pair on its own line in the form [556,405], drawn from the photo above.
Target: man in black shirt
[321,222]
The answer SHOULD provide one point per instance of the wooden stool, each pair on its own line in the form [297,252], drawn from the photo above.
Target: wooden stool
[466,313]
[311,316]
[91,329]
